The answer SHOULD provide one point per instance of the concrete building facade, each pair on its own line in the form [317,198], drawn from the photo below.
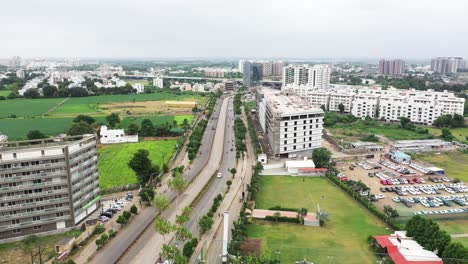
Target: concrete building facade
[47,184]
[391,67]
[314,77]
[445,65]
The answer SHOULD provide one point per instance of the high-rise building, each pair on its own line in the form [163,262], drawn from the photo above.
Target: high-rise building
[158,82]
[316,77]
[47,184]
[15,62]
[241,66]
[252,73]
[277,68]
[267,68]
[391,67]
[445,65]
[20,74]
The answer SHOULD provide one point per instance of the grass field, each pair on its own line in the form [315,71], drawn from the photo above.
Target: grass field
[463,240]
[460,133]
[144,82]
[113,159]
[11,252]
[4,93]
[459,226]
[343,236]
[27,107]
[455,163]
[18,128]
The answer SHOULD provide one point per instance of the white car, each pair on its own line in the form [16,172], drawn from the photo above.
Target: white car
[219,175]
[379,196]
[396,199]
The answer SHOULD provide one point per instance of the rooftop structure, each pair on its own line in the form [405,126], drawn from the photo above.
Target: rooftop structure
[114,136]
[404,250]
[421,145]
[370,146]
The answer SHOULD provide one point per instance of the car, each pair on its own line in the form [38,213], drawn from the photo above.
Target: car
[107,214]
[396,199]
[121,203]
[219,175]
[379,196]
[383,189]
[103,218]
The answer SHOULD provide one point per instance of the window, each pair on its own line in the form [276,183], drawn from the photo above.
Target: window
[316,126]
[15,221]
[285,148]
[36,218]
[16,231]
[37,227]
[294,147]
[286,129]
[294,140]
[285,142]
[60,214]
[295,134]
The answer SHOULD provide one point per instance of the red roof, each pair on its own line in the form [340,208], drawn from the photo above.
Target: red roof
[311,169]
[395,254]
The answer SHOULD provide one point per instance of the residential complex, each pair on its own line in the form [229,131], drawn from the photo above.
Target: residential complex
[314,77]
[47,184]
[292,128]
[445,65]
[421,107]
[391,67]
[158,82]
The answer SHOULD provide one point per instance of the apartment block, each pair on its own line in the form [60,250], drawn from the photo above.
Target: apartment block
[47,185]
[292,128]
[314,77]
[445,65]
[391,67]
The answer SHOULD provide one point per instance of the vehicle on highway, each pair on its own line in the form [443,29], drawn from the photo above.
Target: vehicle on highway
[219,175]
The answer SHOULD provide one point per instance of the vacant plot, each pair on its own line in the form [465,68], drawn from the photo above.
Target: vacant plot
[27,107]
[460,133]
[459,226]
[391,131]
[343,237]
[148,107]
[157,120]
[142,81]
[113,160]
[12,253]
[95,104]
[455,163]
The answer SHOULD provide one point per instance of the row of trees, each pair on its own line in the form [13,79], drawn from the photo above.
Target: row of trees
[429,235]
[126,215]
[195,139]
[239,133]
[206,222]
[449,121]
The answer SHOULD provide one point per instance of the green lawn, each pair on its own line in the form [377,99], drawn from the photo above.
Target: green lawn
[460,133]
[113,159]
[459,226]
[4,93]
[391,131]
[463,240]
[455,163]
[27,107]
[343,236]
[145,82]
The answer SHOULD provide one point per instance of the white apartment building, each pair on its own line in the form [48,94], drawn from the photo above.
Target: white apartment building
[365,105]
[342,97]
[20,74]
[114,136]
[158,82]
[314,77]
[292,128]
[139,87]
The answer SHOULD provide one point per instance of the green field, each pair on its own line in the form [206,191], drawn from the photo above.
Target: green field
[113,159]
[455,163]
[459,226]
[27,107]
[460,133]
[18,128]
[145,82]
[4,93]
[343,236]
[463,240]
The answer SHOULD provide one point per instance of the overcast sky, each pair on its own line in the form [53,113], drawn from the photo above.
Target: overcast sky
[235,28]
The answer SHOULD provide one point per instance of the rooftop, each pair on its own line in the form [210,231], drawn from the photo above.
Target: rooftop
[287,105]
[41,143]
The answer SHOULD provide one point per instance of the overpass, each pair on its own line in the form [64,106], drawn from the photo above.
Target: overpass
[201,79]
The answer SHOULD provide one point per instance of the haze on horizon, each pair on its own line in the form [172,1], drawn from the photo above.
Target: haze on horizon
[233,29]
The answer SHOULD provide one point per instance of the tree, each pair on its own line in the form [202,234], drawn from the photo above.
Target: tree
[321,157]
[142,166]
[127,215]
[455,253]
[161,202]
[178,184]
[80,129]
[113,120]
[84,118]
[121,220]
[147,128]
[446,134]
[229,183]
[233,172]
[50,91]
[99,229]
[134,210]
[185,124]
[31,93]
[184,216]
[205,223]
[277,215]
[146,194]
[189,246]
[163,226]
[390,212]
[132,129]
[341,107]
[182,234]
[35,134]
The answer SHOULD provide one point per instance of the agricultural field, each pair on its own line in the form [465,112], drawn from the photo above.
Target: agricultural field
[27,107]
[145,82]
[338,238]
[113,160]
[103,105]
[455,163]
[11,252]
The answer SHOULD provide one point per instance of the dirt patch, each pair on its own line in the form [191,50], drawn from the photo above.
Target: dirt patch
[146,107]
[252,246]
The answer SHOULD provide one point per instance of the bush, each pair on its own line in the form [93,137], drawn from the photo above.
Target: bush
[189,247]
[283,219]
[134,209]
[279,208]
[127,215]
[99,229]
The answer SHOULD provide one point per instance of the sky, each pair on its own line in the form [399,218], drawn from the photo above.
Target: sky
[234,29]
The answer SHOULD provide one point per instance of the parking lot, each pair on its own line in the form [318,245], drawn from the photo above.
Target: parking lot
[407,187]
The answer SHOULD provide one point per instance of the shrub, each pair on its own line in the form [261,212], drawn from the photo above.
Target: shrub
[99,229]
[283,219]
[134,209]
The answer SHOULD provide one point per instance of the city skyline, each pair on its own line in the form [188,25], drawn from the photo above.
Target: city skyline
[206,29]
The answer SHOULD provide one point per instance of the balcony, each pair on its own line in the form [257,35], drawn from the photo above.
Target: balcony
[33,195]
[35,213]
[34,204]
[33,176]
[31,186]
[36,167]
[34,223]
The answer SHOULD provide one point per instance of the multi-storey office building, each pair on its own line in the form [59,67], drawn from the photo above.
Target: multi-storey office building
[291,127]
[47,184]
[252,73]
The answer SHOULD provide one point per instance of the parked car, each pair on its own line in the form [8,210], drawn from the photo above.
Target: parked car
[219,175]
[103,218]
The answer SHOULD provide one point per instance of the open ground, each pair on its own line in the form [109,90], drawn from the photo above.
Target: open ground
[338,238]
[113,160]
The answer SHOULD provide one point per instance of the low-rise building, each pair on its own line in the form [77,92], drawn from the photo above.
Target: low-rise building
[367,146]
[158,82]
[47,184]
[399,157]
[292,128]
[115,136]
[139,87]
[421,145]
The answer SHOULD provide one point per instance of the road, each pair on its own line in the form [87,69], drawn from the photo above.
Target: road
[148,247]
[114,250]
